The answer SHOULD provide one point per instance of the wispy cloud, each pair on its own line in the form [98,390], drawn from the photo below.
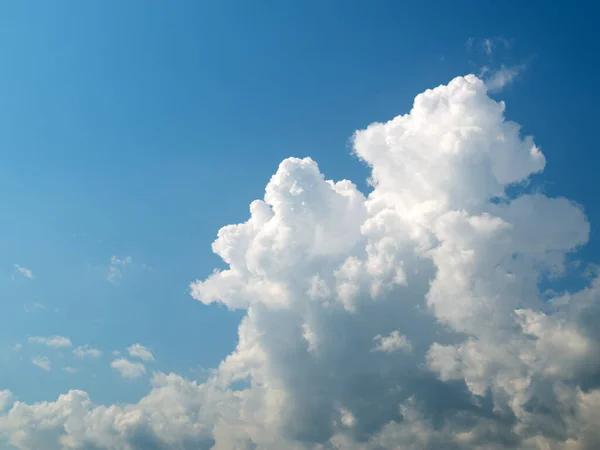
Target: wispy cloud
[488,44]
[128,369]
[22,271]
[71,370]
[85,351]
[42,362]
[496,80]
[51,341]
[141,352]
[34,307]
[116,268]
[496,72]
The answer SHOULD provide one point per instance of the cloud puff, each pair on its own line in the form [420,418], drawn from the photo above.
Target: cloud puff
[23,271]
[51,341]
[128,369]
[85,351]
[437,263]
[496,80]
[141,352]
[42,362]
[394,342]
[116,267]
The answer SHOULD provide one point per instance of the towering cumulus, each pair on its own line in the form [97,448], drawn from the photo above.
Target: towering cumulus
[415,317]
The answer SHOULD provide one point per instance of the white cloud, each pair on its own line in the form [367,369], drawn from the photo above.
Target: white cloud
[141,352]
[116,268]
[23,271]
[71,370]
[426,259]
[42,362]
[85,351]
[496,80]
[128,369]
[391,343]
[51,341]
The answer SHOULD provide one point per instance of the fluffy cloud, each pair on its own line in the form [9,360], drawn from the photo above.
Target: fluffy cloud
[128,369]
[409,318]
[141,352]
[51,341]
[85,351]
[394,342]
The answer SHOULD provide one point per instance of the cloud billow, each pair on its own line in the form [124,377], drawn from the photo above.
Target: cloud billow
[408,318]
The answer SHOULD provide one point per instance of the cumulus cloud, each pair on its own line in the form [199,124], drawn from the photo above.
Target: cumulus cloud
[409,318]
[128,369]
[116,268]
[85,351]
[42,362]
[394,342]
[141,352]
[51,341]
[22,271]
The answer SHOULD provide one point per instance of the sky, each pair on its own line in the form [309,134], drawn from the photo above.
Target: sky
[177,272]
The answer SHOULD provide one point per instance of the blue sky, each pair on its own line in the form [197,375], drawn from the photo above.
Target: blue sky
[135,130]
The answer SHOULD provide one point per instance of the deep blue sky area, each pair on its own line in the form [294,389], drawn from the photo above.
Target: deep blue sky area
[139,128]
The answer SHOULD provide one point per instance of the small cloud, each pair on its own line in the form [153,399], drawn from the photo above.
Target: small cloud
[116,352]
[469,44]
[17,347]
[22,271]
[71,370]
[141,352]
[52,341]
[488,45]
[34,307]
[116,267]
[128,369]
[388,344]
[42,362]
[347,418]
[85,351]
[496,80]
